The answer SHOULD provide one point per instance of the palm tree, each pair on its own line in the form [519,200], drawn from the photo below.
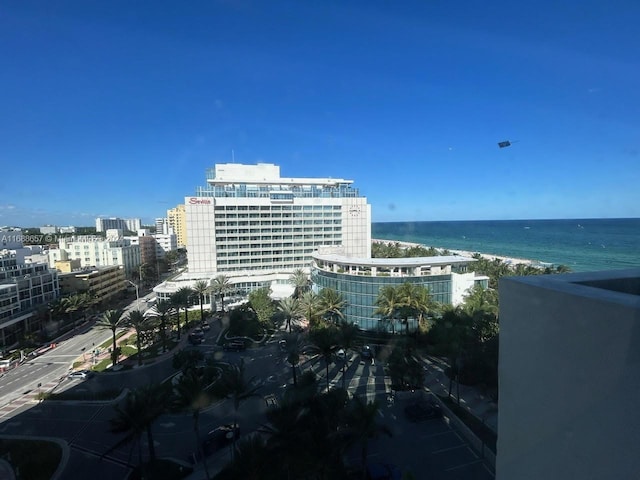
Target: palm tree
[193,394]
[388,303]
[201,288]
[347,335]
[362,420]
[182,299]
[300,281]
[294,348]
[111,320]
[221,285]
[482,299]
[251,455]
[324,341]
[162,311]
[75,303]
[332,303]
[290,308]
[139,323]
[141,408]
[310,305]
[237,389]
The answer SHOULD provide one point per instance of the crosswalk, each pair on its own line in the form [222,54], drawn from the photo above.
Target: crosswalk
[364,379]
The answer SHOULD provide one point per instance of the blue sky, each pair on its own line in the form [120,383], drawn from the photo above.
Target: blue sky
[116,108]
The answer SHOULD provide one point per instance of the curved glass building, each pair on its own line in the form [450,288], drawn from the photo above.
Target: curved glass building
[359,280]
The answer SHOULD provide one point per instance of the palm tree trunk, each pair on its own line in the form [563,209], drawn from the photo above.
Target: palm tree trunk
[152,447]
[114,355]
[139,347]
[186,316]
[178,323]
[201,309]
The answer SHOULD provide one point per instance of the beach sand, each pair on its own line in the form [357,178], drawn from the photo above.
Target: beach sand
[464,253]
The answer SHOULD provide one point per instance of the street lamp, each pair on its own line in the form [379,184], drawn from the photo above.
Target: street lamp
[137,295]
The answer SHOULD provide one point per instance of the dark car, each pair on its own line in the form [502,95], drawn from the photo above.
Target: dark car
[419,412]
[195,338]
[234,346]
[220,438]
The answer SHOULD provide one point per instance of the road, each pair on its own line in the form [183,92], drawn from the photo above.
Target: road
[54,365]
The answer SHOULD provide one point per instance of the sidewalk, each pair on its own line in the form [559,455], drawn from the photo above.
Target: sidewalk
[471,398]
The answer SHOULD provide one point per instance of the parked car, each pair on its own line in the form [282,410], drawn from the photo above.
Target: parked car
[234,346]
[341,354]
[283,345]
[419,412]
[81,374]
[196,337]
[205,326]
[219,438]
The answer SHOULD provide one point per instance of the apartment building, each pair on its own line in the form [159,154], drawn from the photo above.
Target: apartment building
[94,251]
[102,283]
[177,223]
[23,288]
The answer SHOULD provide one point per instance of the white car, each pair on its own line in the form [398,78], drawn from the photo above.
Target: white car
[341,354]
[81,374]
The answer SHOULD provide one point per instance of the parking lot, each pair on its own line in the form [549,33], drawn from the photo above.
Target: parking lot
[429,449]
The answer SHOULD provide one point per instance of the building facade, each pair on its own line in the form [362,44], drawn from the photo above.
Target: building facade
[102,283]
[177,223]
[359,281]
[162,226]
[115,223]
[94,251]
[23,289]
[568,376]
[248,219]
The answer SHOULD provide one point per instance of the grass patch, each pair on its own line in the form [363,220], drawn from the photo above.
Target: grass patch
[87,396]
[109,343]
[484,433]
[102,365]
[34,459]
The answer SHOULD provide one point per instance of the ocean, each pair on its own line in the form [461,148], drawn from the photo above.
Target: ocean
[582,245]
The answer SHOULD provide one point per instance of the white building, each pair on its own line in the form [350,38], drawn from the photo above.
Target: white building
[569,383]
[162,226]
[133,224]
[49,229]
[162,243]
[249,219]
[359,280]
[94,251]
[115,223]
[69,229]
[23,288]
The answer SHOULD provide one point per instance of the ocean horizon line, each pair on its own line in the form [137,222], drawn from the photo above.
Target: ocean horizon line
[509,220]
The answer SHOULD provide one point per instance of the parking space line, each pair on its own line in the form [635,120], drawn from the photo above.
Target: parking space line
[449,448]
[436,434]
[463,465]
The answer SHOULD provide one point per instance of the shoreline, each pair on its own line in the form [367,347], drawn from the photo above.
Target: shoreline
[465,253]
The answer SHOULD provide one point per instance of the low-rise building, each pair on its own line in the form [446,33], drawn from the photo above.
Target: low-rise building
[359,281]
[95,251]
[101,283]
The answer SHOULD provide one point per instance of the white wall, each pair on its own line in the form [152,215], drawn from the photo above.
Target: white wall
[569,376]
